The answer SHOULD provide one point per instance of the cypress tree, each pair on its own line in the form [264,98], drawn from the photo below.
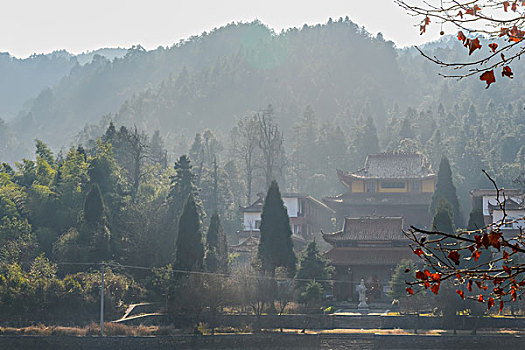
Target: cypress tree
[442,221]
[216,247]
[446,190]
[275,247]
[189,250]
[93,230]
[476,220]
[94,206]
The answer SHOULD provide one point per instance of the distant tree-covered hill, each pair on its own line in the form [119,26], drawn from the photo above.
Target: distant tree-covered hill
[338,69]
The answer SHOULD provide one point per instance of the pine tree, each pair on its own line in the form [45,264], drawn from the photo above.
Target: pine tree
[445,189]
[313,266]
[275,247]
[189,252]
[182,185]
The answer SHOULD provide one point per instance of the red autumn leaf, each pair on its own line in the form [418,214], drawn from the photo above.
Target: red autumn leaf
[427,20]
[427,284]
[513,294]
[480,298]
[493,47]
[494,237]
[478,283]
[427,273]
[410,291]
[490,303]
[505,5]
[478,240]
[469,285]
[471,248]
[505,255]
[422,29]
[485,240]
[460,14]
[435,288]
[522,283]
[454,256]
[476,255]
[458,276]
[507,269]
[461,294]
[473,10]
[498,280]
[503,58]
[489,78]
[515,34]
[435,277]
[407,270]
[420,275]
[514,6]
[418,252]
[499,291]
[461,36]
[500,305]
[507,72]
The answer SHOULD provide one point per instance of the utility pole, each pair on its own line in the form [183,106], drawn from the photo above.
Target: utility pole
[102,300]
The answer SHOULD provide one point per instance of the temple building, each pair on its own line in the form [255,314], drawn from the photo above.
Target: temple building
[367,248]
[390,184]
[308,217]
[512,199]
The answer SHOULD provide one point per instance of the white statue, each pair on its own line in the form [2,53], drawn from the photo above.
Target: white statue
[361,289]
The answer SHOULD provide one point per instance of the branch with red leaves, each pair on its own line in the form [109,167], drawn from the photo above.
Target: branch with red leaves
[501,21]
[483,264]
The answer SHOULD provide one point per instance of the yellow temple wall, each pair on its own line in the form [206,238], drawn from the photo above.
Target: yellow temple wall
[428,186]
[358,186]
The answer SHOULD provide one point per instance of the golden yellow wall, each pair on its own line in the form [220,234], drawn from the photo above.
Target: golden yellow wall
[358,186]
[428,186]
[393,190]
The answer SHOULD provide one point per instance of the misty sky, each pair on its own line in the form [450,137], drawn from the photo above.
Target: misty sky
[37,26]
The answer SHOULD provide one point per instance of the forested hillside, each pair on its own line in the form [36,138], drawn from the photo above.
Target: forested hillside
[336,92]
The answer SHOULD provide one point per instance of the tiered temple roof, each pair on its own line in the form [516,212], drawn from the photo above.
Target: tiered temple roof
[368,229]
[392,165]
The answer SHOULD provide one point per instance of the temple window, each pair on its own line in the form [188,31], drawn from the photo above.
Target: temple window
[392,184]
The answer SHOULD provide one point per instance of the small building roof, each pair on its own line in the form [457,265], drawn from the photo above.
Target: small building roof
[256,207]
[493,192]
[391,165]
[368,229]
[509,204]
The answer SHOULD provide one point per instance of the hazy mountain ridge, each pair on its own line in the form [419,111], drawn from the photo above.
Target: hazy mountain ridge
[207,81]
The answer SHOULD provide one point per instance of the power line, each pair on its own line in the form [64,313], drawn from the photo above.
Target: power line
[202,273]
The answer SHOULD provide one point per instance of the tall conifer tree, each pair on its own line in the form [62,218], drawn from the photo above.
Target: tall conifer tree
[216,247]
[189,252]
[445,189]
[276,247]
